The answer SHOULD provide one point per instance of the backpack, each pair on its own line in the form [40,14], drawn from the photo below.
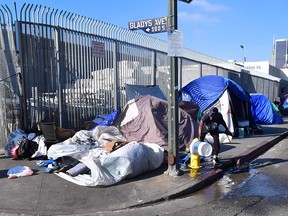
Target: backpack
[27,148]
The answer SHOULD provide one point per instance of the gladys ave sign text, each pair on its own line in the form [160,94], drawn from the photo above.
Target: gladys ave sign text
[150,26]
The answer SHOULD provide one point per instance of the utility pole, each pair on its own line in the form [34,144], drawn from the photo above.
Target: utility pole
[173,111]
[173,128]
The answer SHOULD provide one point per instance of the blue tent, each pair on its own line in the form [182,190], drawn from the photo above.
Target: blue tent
[206,91]
[262,110]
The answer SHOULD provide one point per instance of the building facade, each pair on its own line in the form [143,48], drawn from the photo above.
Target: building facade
[280,53]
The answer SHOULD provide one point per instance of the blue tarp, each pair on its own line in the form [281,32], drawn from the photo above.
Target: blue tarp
[262,110]
[206,90]
[107,120]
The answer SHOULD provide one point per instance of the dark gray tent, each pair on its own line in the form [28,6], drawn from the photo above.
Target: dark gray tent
[145,119]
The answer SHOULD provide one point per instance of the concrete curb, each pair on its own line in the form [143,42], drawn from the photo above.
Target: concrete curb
[258,149]
[207,178]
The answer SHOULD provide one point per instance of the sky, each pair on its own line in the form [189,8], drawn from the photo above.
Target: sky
[224,29]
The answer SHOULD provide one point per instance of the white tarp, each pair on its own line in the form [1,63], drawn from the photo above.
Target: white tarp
[128,161]
[106,168]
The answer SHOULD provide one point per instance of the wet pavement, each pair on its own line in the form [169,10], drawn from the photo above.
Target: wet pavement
[47,194]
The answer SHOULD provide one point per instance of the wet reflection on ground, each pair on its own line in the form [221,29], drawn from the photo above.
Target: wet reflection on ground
[234,178]
[249,180]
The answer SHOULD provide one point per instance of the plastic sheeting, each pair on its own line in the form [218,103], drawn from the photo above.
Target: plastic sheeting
[85,140]
[128,161]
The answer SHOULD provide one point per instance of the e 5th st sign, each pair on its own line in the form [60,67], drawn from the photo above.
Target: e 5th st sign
[150,26]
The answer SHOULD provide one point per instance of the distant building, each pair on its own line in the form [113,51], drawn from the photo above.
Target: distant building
[280,54]
[265,70]
[264,67]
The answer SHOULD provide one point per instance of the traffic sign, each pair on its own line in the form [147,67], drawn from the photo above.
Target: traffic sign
[150,26]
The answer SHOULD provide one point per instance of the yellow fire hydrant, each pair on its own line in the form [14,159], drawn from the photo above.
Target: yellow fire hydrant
[194,165]
[197,149]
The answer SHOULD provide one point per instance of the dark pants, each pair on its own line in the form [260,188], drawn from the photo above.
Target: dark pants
[216,143]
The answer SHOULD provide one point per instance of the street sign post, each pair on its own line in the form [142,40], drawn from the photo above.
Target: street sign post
[173,121]
[150,26]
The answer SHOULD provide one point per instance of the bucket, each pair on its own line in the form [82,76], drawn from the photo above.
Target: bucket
[240,132]
[200,148]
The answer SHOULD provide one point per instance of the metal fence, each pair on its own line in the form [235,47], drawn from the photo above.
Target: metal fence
[62,67]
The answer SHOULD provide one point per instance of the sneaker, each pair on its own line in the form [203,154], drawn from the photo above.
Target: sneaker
[208,159]
[215,160]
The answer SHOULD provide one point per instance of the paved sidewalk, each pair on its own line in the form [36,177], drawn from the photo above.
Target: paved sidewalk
[47,194]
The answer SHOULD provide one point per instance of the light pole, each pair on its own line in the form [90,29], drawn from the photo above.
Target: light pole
[173,115]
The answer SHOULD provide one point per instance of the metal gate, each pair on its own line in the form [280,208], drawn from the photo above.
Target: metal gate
[76,68]
[62,67]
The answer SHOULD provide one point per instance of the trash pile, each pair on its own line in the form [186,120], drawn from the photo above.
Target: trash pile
[121,145]
[101,156]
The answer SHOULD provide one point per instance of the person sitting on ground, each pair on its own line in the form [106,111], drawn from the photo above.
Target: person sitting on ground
[209,123]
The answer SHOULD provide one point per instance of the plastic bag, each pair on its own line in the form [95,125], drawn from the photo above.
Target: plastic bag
[19,171]
[15,133]
[14,140]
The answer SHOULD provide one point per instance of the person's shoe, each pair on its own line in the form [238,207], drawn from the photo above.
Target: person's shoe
[215,160]
[208,159]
